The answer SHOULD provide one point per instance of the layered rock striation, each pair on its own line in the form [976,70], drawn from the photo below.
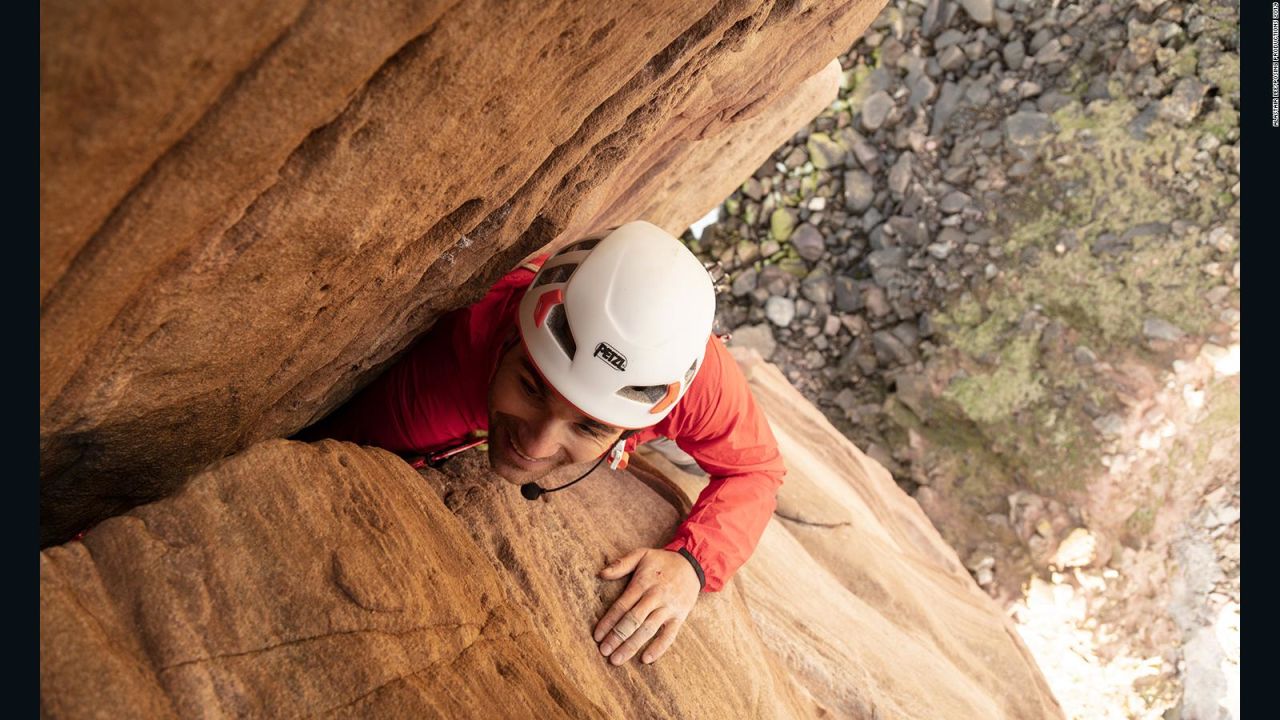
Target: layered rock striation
[335,580]
[248,210]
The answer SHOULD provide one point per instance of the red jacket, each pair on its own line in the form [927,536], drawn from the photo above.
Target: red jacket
[438,393]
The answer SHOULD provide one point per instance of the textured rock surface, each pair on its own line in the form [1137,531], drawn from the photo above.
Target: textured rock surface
[290,580]
[247,212]
[329,577]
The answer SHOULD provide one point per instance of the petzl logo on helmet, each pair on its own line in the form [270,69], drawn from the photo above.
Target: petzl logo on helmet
[607,353]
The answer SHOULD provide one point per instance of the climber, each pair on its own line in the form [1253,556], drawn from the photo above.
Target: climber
[606,347]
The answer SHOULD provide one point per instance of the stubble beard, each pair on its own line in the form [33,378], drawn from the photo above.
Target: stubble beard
[498,439]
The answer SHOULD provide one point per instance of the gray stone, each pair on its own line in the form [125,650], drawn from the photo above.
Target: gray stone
[866,362]
[1183,104]
[923,90]
[814,360]
[824,152]
[855,324]
[875,110]
[880,78]
[866,154]
[780,310]
[1040,39]
[1014,52]
[1071,14]
[752,189]
[1138,126]
[871,218]
[978,95]
[939,250]
[954,202]
[914,392]
[876,303]
[980,10]
[1166,31]
[744,283]
[908,333]
[808,242]
[1051,53]
[1097,89]
[774,281]
[1004,23]
[759,337]
[846,400]
[945,107]
[947,39]
[887,258]
[900,174]
[1053,101]
[831,326]
[951,58]
[1161,329]
[933,19]
[890,349]
[1026,129]
[913,65]
[926,325]
[910,230]
[769,247]
[818,288]
[859,190]
[847,295]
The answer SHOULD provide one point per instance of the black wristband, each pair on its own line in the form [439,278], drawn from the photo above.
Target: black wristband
[702,579]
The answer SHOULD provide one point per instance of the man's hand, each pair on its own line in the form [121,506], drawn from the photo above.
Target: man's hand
[659,597]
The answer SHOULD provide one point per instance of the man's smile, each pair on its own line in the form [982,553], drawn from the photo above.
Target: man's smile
[520,455]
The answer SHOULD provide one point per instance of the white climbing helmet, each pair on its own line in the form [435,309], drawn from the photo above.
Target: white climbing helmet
[618,325]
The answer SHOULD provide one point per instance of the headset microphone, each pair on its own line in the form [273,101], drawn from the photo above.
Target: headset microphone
[617,457]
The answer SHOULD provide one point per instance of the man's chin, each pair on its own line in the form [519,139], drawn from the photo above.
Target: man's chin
[511,473]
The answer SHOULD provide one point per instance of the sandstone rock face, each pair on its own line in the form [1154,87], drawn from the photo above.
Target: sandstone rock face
[332,579]
[248,210]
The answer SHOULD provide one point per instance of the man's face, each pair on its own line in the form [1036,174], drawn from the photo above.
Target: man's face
[533,430]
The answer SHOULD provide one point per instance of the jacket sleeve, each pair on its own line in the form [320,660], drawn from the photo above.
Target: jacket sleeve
[727,433]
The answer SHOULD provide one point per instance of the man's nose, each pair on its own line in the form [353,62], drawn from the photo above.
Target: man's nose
[541,438]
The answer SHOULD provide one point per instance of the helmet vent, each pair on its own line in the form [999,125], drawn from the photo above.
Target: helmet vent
[647,394]
[558,324]
[557,274]
[579,246]
[689,375]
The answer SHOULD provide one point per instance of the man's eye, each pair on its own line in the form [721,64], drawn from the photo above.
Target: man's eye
[587,430]
[529,389]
